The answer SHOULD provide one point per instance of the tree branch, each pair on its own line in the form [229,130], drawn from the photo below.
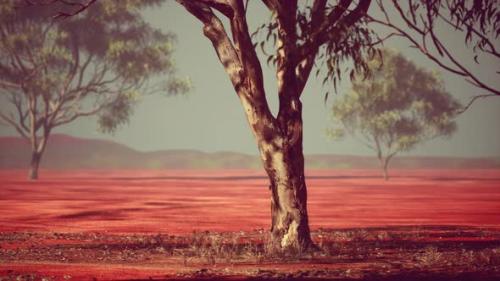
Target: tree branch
[325,28]
[78,7]
[442,55]
[333,25]
[215,32]
[239,59]
[220,5]
[12,123]
[472,100]
[78,114]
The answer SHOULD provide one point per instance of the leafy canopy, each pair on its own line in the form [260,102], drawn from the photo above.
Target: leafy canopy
[97,62]
[397,107]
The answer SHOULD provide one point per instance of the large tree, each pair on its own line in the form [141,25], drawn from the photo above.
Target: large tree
[53,72]
[304,32]
[321,32]
[399,106]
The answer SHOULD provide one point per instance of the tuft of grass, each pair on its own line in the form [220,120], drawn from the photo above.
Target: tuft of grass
[430,256]
[401,248]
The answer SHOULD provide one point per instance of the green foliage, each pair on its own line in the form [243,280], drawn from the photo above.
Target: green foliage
[480,20]
[87,64]
[397,107]
[117,112]
[350,45]
[179,86]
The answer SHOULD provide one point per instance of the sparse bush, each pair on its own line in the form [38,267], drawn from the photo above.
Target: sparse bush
[429,257]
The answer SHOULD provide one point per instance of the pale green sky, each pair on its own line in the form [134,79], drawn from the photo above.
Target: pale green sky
[210,118]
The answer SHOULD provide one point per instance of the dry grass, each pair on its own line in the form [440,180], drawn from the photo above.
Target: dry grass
[348,253]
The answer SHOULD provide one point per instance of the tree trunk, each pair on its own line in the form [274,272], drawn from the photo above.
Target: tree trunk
[34,165]
[385,164]
[283,161]
[279,139]
[38,148]
[386,175]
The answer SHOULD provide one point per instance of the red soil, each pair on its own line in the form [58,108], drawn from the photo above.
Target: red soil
[88,271]
[183,201]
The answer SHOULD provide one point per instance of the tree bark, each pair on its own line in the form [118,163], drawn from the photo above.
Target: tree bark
[38,148]
[283,161]
[34,165]
[289,219]
[279,138]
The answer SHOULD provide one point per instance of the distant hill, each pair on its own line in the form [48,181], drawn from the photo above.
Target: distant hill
[66,152]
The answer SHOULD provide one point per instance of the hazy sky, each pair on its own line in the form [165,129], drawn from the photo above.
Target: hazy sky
[210,118]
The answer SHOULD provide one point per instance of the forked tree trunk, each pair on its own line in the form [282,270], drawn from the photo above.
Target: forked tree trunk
[279,138]
[280,144]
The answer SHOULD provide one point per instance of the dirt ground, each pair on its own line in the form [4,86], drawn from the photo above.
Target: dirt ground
[136,225]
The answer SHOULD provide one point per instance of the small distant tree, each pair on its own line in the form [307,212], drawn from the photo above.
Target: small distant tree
[54,71]
[399,106]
